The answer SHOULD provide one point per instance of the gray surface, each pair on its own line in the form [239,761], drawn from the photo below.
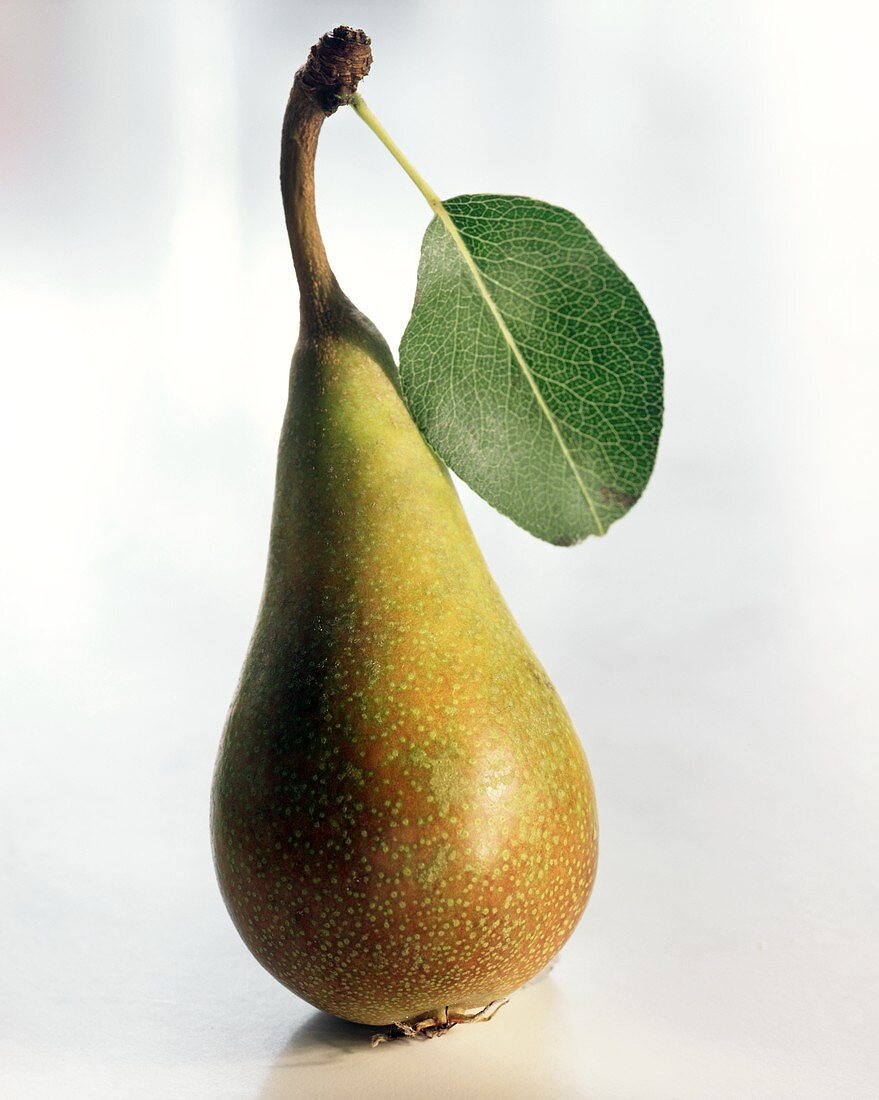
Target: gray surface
[717,649]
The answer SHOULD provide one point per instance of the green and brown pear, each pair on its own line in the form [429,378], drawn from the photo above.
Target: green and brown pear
[403,817]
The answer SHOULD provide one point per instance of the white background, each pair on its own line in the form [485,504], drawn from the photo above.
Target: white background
[717,649]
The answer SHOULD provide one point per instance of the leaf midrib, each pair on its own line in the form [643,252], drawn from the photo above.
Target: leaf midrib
[453,231]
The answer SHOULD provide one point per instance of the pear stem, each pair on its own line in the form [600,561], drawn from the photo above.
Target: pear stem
[318,287]
[335,65]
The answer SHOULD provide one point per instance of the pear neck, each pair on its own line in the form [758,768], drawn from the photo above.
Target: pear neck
[319,292]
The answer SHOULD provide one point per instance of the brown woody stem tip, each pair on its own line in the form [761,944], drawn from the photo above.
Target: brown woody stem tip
[337,63]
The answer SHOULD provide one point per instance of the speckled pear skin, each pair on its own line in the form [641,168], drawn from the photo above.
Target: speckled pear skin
[403,816]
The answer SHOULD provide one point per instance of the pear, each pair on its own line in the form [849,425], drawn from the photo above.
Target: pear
[403,819]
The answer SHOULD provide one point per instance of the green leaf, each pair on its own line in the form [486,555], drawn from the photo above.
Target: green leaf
[532,366]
